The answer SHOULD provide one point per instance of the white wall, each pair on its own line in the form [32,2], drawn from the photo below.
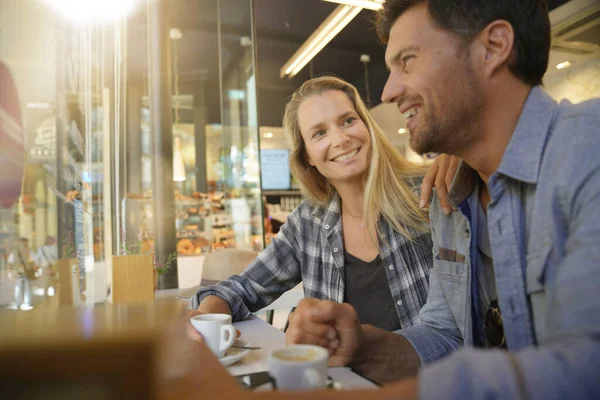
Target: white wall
[577,83]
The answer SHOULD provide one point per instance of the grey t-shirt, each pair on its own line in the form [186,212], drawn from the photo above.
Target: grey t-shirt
[368,291]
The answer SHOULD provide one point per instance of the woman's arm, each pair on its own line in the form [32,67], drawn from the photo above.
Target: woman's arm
[276,270]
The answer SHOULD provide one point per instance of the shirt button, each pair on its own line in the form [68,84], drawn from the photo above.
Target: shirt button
[326,226]
[391,267]
[399,302]
[335,249]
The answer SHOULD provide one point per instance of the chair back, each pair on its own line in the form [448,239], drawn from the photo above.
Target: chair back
[221,264]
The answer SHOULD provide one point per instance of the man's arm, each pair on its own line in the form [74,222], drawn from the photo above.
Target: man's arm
[384,356]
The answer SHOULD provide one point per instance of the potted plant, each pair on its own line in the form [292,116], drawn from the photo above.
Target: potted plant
[136,271]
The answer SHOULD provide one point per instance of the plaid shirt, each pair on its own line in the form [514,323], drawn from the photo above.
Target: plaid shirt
[310,248]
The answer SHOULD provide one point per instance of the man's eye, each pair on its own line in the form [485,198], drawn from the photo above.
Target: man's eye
[405,59]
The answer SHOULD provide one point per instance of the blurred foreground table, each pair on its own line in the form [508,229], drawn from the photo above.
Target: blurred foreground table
[91,352]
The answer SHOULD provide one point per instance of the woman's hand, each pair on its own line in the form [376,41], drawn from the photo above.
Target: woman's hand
[440,175]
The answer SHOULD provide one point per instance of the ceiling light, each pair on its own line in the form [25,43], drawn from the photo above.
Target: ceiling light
[368,4]
[37,104]
[268,135]
[82,11]
[563,65]
[402,131]
[333,24]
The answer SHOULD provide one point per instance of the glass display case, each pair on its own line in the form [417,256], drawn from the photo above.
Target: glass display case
[105,164]
[206,186]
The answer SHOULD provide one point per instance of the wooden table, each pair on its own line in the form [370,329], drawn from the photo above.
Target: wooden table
[261,334]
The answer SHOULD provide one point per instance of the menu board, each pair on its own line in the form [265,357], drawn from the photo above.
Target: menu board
[275,169]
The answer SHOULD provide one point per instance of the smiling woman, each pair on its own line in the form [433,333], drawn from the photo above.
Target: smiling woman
[327,118]
[360,237]
[337,141]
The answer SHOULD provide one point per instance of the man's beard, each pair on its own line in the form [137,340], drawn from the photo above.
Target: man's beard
[452,131]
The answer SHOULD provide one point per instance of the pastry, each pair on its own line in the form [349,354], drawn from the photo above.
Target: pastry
[185,247]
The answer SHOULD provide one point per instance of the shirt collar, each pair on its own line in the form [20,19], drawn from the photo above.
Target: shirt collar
[523,155]
[330,213]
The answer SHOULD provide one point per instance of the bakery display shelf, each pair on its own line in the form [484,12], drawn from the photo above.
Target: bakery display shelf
[191,202]
[193,236]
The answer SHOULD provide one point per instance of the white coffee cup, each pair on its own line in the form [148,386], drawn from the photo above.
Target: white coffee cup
[217,331]
[299,367]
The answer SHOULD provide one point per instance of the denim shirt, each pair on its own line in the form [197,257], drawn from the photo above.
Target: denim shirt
[544,229]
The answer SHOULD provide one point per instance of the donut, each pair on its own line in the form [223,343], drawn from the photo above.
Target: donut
[185,247]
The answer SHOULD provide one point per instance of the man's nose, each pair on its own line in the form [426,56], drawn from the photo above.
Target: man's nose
[394,89]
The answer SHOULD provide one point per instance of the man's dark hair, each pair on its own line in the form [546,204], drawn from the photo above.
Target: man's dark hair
[466,18]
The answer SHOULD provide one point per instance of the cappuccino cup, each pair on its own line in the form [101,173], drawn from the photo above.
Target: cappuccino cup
[299,367]
[217,331]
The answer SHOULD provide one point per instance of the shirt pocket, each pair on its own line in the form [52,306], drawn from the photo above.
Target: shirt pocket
[451,271]
[452,280]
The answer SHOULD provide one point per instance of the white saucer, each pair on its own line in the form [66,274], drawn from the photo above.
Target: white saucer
[234,355]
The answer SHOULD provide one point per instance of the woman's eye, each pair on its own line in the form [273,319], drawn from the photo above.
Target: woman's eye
[349,121]
[318,134]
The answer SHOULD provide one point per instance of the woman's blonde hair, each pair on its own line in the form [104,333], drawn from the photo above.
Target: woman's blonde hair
[387,191]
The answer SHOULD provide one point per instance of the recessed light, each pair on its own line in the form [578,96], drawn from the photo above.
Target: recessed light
[37,104]
[563,65]
[401,131]
[268,135]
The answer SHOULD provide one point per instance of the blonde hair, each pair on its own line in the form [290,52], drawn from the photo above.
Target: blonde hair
[387,192]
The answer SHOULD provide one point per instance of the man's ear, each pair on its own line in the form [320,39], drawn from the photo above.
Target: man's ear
[496,42]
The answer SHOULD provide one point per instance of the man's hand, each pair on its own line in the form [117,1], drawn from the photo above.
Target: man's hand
[440,175]
[331,325]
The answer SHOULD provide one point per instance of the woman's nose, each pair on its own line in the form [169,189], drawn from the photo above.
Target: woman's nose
[340,137]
